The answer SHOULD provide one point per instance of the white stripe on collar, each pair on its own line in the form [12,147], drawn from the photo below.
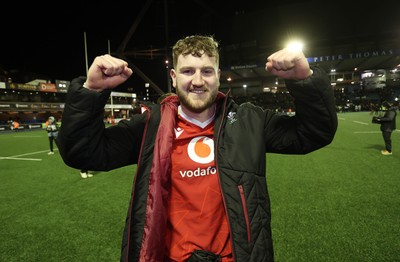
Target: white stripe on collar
[195,121]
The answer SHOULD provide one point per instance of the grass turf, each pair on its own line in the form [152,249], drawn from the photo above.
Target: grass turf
[340,203]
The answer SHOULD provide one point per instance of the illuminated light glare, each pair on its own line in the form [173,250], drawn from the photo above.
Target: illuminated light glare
[295,46]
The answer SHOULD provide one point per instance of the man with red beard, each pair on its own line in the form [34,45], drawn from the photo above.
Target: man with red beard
[200,191]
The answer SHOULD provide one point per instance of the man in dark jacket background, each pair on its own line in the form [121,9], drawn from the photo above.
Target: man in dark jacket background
[388,125]
[200,188]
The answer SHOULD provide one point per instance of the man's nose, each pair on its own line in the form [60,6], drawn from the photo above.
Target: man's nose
[198,79]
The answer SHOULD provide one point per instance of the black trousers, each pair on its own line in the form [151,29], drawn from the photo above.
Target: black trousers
[51,141]
[388,140]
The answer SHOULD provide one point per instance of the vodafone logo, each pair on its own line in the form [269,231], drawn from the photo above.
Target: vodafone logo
[201,150]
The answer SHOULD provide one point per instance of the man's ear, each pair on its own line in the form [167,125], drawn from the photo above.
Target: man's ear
[172,74]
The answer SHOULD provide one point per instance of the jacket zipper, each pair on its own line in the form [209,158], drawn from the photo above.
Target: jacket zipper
[219,177]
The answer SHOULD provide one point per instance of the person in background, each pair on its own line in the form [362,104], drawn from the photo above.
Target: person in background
[52,132]
[196,147]
[388,125]
[16,125]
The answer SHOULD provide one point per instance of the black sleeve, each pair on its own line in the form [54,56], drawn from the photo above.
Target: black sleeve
[388,116]
[83,140]
[315,122]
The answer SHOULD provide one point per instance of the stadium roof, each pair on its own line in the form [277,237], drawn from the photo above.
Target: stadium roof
[338,37]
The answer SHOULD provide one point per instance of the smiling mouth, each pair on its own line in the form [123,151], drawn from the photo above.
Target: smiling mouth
[197,91]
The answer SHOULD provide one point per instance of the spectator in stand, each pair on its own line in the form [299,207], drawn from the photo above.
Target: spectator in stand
[52,132]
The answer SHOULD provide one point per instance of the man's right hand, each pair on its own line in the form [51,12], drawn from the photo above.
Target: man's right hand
[107,72]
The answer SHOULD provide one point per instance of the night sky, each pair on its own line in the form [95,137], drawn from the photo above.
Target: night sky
[49,39]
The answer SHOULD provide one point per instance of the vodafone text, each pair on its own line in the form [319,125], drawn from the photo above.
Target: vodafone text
[198,172]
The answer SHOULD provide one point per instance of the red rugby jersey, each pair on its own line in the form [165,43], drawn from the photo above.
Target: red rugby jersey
[197,218]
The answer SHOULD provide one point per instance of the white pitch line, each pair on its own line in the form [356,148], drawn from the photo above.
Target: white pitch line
[367,132]
[16,158]
[33,153]
[362,123]
[27,136]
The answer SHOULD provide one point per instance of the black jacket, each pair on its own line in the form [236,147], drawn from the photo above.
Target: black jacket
[388,120]
[242,136]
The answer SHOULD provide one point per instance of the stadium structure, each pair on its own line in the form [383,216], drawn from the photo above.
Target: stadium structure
[364,68]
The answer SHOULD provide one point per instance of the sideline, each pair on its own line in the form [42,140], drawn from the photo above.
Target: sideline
[374,132]
[359,122]
[367,132]
[17,157]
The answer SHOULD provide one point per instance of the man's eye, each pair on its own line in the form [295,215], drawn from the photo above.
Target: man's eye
[208,72]
[187,72]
